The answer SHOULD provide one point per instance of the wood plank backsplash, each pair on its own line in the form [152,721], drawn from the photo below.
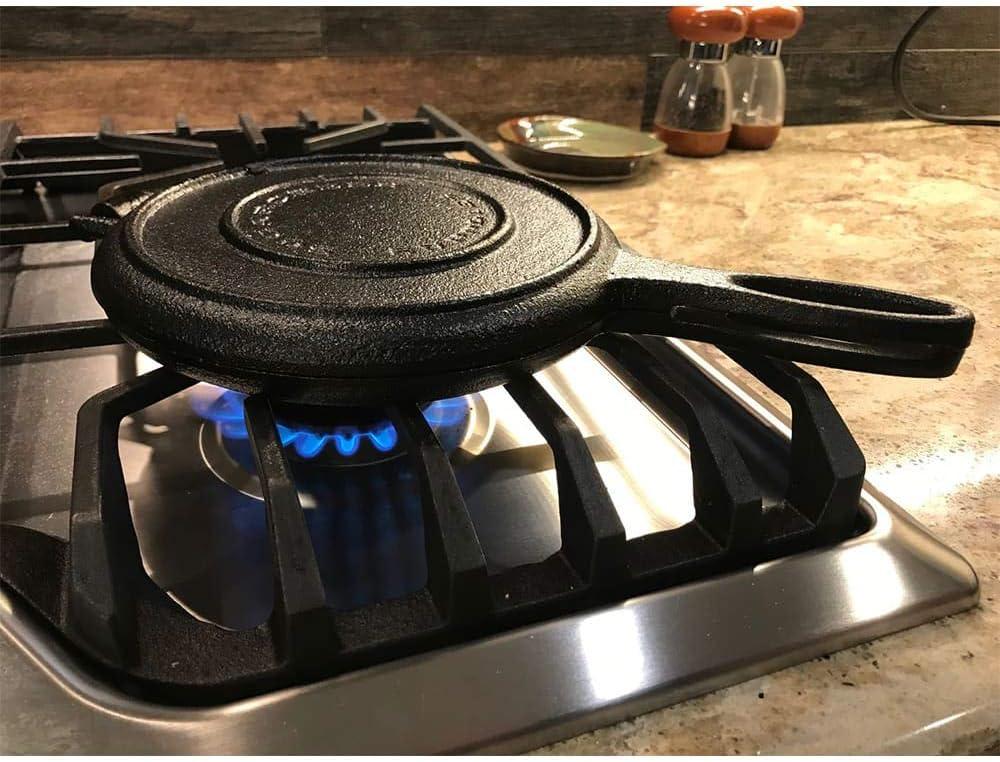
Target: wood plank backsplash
[62,68]
[479,91]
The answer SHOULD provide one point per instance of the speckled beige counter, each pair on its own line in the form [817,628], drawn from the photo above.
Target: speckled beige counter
[900,205]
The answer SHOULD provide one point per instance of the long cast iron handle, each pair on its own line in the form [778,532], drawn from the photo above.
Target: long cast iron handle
[820,322]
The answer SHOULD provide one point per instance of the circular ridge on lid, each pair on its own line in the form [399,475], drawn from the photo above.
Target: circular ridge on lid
[309,223]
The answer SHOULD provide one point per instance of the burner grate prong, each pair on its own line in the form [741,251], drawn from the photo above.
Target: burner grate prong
[826,466]
[307,121]
[67,172]
[592,533]
[20,234]
[104,560]
[727,500]
[157,152]
[254,138]
[456,567]
[473,144]
[58,336]
[345,136]
[372,114]
[9,133]
[301,623]
[182,128]
[818,473]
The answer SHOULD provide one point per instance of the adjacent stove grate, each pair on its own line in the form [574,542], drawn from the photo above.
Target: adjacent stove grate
[94,590]
[132,166]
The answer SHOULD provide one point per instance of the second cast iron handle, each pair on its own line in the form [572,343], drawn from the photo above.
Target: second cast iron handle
[840,325]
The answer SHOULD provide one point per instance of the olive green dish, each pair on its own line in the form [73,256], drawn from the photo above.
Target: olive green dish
[568,148]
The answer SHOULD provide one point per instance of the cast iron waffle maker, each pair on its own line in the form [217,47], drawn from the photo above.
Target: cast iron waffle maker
[362,280]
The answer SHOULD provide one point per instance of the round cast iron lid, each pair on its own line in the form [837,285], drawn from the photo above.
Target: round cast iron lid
[290,276]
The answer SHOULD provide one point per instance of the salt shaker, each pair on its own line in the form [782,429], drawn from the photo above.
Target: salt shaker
[694,113]
[758,76]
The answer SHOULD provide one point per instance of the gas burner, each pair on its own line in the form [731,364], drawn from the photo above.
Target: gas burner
[361,436]
[334,436]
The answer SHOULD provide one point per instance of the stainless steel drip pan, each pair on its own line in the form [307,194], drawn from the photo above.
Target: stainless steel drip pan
[530,686]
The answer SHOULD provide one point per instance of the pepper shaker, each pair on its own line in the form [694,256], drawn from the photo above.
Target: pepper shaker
[694,113]
[758,76]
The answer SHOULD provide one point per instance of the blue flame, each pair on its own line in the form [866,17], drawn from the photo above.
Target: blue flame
[226,410]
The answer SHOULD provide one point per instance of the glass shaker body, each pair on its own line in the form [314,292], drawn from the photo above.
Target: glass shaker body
[695,110]
[758,80]
[759,77]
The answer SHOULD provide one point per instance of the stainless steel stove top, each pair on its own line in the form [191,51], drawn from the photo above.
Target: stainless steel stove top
[692,605]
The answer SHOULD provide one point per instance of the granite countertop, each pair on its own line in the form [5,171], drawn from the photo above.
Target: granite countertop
[901,205]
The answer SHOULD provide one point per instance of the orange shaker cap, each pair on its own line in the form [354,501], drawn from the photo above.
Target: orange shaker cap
[720,24]
[773,22]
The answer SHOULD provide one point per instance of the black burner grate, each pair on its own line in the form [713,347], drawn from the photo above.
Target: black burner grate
[94,590]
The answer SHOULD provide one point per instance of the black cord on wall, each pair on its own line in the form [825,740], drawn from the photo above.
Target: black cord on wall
[909,106]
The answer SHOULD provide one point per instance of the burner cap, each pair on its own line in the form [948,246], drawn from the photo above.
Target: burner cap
[356,279]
